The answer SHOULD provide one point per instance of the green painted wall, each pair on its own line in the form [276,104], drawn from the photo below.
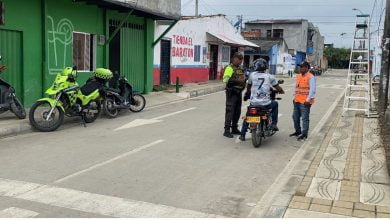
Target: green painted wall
[25,16]
[46,28]
[63,17]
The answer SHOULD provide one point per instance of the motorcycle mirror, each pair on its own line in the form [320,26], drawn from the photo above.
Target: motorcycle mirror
[281,82]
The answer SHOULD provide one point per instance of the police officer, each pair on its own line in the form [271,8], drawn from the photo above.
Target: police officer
[234,77]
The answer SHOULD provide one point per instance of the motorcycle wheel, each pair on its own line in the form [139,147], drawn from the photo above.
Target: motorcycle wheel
[109,108]
[18,109]
[138,104]
[39,111]
[90,117]
[257,136]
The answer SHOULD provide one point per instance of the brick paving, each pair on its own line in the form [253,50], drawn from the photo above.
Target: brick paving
[343,151]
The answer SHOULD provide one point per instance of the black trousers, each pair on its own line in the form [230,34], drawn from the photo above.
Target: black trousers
[233,108]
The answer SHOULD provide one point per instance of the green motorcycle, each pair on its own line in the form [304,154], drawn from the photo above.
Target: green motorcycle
[66,97]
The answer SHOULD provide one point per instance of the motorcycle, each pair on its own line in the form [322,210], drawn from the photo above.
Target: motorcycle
[124,97]
[9,101]
[260,121]
[66,97]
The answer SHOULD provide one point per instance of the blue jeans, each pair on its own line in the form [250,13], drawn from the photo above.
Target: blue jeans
[275,115]
[301,111]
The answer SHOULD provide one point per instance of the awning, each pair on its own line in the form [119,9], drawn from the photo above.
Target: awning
[230,40]
[126,7]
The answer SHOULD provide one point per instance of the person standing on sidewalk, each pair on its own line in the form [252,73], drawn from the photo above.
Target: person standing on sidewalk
[234,77]
[305,90]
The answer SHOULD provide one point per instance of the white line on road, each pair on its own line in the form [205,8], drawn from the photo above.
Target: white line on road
[141,122]
[136,150]
[94,203]
[14,212]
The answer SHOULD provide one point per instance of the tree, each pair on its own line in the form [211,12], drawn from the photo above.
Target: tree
[338,58]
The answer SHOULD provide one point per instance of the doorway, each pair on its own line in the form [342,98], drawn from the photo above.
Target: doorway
[165,62]
[114,57]
[213,62]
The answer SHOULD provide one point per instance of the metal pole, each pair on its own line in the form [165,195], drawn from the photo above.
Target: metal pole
[196,8]
[384,77]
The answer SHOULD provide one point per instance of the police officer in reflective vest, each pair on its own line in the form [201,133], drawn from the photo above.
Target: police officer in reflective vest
[234,77]
[305,91]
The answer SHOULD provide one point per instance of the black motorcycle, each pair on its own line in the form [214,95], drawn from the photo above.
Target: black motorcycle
[9,101]
[120,95]
[260,121]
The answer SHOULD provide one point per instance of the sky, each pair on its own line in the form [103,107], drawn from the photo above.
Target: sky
[335,18]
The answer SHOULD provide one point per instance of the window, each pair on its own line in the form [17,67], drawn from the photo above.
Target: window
[278,33]
[2,13]
[197,53]
[269,34]
[225,54]
[84,51]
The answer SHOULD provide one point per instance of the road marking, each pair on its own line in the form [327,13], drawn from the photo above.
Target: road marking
[136,150]
[94,203]
[280,115]
[141,122]
[14,212]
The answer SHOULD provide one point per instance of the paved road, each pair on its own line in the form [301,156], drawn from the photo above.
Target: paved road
[169,161]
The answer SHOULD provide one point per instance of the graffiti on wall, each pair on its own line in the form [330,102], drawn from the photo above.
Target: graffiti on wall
[182,48]
[59,44]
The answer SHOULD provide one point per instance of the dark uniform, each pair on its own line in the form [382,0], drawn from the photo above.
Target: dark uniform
[234,77]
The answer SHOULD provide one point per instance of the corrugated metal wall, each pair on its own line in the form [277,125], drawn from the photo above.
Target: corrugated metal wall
[11,51]
[133,55]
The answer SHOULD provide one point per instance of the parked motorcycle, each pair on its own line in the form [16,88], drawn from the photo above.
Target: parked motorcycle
[9,101]
[66,97]
[260,121]
[122,98]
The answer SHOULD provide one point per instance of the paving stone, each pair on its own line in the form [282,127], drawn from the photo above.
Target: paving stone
[324,189]
[299,205]
[383,209]
[363,214]
[369,189]
[276,212]
[322,202]
[295,213]
[320,208]
[361,206]
[341,211]
[383,215]
[343,204]
[301,199]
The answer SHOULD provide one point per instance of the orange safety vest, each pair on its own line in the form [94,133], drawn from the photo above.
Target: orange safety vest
[303,88]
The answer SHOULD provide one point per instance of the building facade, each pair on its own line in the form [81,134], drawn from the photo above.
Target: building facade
[303,39]
[196,49]
[38,38]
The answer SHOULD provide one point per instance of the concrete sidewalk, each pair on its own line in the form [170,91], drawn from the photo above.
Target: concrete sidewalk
[10,126]
[346,177]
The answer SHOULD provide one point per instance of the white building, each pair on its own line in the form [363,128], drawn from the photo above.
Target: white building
[196,49]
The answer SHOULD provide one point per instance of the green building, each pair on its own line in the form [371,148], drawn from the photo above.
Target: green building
[38,38]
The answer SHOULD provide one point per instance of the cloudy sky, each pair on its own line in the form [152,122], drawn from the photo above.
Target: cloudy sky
[335,18]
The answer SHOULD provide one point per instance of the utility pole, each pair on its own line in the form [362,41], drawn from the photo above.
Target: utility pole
[196,8]
[384,77]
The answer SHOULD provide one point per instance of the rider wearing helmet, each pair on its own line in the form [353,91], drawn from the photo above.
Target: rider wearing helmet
[258,92]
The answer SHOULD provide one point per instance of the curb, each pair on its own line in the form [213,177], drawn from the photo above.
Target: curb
[23,127]
[275,201]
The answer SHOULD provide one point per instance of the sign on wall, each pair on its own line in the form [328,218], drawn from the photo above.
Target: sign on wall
[182,47]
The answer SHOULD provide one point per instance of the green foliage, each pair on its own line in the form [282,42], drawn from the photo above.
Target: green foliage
[338,57]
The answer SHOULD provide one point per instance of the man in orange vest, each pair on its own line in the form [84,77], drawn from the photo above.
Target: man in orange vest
[305,91]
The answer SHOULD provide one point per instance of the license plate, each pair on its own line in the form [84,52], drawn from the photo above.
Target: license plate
[253,119]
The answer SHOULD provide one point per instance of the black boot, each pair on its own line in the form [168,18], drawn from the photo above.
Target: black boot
[242,137]
[236,131]
[228,134]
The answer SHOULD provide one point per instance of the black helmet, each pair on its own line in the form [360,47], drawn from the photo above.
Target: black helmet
[260,65]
